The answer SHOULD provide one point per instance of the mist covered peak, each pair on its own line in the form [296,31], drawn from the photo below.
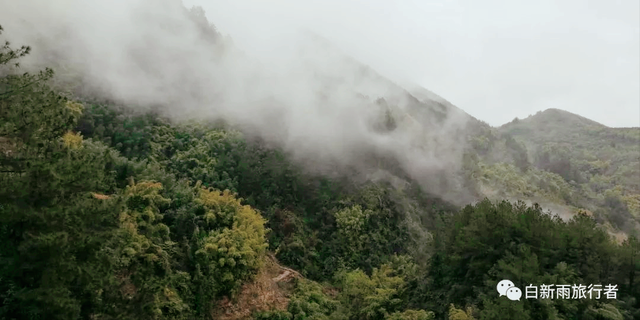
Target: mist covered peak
[295,90]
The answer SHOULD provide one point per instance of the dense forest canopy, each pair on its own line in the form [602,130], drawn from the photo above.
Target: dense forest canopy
[117,208]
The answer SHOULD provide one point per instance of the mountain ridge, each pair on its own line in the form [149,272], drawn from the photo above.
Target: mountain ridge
[110,212]
[558,115]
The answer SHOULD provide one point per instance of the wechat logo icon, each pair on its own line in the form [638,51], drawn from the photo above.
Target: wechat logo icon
[507,288]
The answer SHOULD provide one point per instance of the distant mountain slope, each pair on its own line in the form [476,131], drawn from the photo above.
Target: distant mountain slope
[551,125]
[583,141]
[601,164]
[368,82]
[588,166]
[425,95]
[339,116]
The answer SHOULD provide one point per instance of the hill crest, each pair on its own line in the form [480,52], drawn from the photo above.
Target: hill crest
[555,116]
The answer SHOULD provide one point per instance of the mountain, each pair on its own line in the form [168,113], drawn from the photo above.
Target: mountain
[601,163]
[585,142]
[414,101]
[551,125]
[426,95]
[227,188]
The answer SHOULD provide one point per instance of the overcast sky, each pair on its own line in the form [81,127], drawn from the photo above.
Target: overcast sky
[495,59]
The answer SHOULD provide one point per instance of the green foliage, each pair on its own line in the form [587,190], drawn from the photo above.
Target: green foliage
[458,314]
[53,231]
[412,315]
[129,133]
[107,213]
[592,158]
[146,279]
[232,243]
[81,239]
[351,223]
[518,152]
[380,295]
[371,228]
[509,182]
[488,242]
[360,297]
[272,315]
[310,302]
[372,297]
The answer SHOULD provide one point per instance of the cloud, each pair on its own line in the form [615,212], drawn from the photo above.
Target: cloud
[496,60]
[284,85]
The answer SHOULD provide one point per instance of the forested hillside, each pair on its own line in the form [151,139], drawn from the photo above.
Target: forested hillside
[110,210]
[600,164]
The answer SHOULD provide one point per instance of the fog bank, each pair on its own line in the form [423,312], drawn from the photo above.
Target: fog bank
[295,89]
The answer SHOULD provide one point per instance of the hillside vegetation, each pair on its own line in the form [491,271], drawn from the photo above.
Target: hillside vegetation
[111,213]
[600,164]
